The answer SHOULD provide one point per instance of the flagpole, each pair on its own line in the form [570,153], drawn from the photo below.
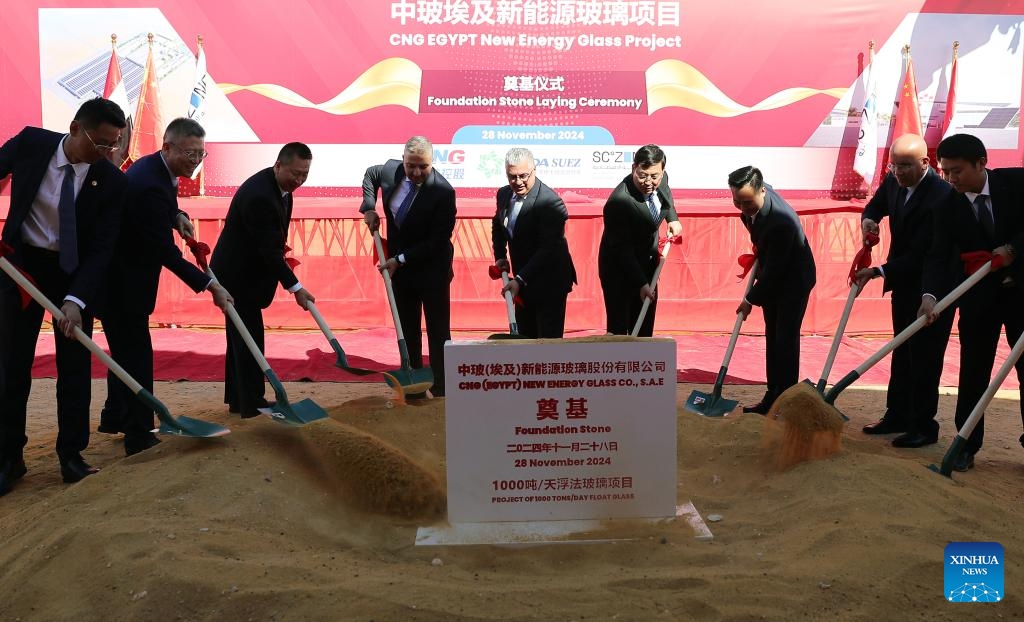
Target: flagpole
[202,169]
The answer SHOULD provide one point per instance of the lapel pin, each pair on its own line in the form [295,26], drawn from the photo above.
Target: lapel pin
[94,184]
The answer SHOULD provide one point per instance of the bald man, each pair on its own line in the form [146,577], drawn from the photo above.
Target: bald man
[908,196]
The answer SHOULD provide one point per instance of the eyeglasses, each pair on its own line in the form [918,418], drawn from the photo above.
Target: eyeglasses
[193,156]
[521,176]
[655,177]
[101,148]
[900,166]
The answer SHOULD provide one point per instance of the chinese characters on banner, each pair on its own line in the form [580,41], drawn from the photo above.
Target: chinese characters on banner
[557,431]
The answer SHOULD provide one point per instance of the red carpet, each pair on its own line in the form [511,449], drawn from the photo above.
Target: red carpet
[199,355]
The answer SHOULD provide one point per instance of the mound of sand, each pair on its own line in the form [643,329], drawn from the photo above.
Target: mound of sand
[279,523]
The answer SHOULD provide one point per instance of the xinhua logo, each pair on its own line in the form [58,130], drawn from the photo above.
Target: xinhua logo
[974,572]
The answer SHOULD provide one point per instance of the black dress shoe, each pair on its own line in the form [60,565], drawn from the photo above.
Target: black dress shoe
[913,439]
[107,427]
[75,469]
[133,446]
[437,392]
[10,472]
[760,408]
[422,395]
[964,462]
[884,426]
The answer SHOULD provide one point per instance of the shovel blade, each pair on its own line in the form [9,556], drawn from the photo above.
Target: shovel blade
[300,413]
[187,426]
[408,381]
[709,405]
[342,361]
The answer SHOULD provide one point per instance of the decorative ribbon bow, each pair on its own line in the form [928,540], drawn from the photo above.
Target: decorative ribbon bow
[26,298]
[201,250]
[746,262]
[863,257]
[974,260]
[495,273]
[291,261]
[672,239]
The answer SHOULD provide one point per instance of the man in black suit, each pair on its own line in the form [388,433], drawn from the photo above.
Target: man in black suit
[984,214]
[419,205]
[249,261]
[628,253]
[530,223]
[144,246]
[66,201]
[783,281]
[908,197]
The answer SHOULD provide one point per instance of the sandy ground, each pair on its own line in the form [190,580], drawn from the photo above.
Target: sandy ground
[279,523]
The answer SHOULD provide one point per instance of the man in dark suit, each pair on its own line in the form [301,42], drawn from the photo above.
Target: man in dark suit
[419,205]
[66,201]
[984,214]
[783,281]
[530,223]
[628,253]
[144,246]
[908,197]
[249,262]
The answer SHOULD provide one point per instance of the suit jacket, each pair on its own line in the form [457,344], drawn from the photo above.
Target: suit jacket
[249,257]
[540,253]
[629,243]
[97,207]
[425,237]
[957,230]
[910,226]
[785,265]
[146,243]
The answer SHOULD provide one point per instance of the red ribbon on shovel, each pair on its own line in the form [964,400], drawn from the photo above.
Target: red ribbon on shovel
[863,257]
[384,245]
[201,250]
[672,239]
[746,262]
[495,273]
[974,260]
[26,298]
[291,261]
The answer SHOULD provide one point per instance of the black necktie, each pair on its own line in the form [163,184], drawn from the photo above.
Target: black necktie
[985,216]
[901,203]
[67,232]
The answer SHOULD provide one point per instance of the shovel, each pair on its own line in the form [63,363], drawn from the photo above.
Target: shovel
[513,326]
[178,426]
[299,413]
[946,468]
[654,283]
[714,405]
[907,332]
[342,361]
[404,380]
[820,387]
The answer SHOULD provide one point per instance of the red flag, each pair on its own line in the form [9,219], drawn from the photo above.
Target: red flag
[863,257]
[115,91]
[947,120]
[908,113]
[149,132]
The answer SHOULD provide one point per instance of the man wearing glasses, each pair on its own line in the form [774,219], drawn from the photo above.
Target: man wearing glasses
[908,197]
[629,245]
[144,246]
[66,201]
[529,225]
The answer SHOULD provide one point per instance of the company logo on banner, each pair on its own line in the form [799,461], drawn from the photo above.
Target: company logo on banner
[974,572]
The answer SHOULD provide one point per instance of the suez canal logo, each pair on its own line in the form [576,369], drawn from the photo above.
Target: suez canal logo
[974,572]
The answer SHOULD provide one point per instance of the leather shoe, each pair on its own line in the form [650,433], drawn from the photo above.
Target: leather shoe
[437,392]
[75,469]
[10,472]
[133,446]
[884,426]
[913,439]
[760,408]
[964,462]
[422,395]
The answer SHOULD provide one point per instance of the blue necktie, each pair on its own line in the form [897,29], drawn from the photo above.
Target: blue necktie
[655,212]
[403,209]
[985,216]
[67,233]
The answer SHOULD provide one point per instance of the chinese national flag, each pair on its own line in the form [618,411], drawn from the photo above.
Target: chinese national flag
[908,113]
[147,136]
[114,90]
[947,121]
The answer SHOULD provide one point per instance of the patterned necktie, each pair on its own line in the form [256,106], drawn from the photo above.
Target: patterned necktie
[403,209]
[985,216]
[67,233]
[517,204]
[655,212]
